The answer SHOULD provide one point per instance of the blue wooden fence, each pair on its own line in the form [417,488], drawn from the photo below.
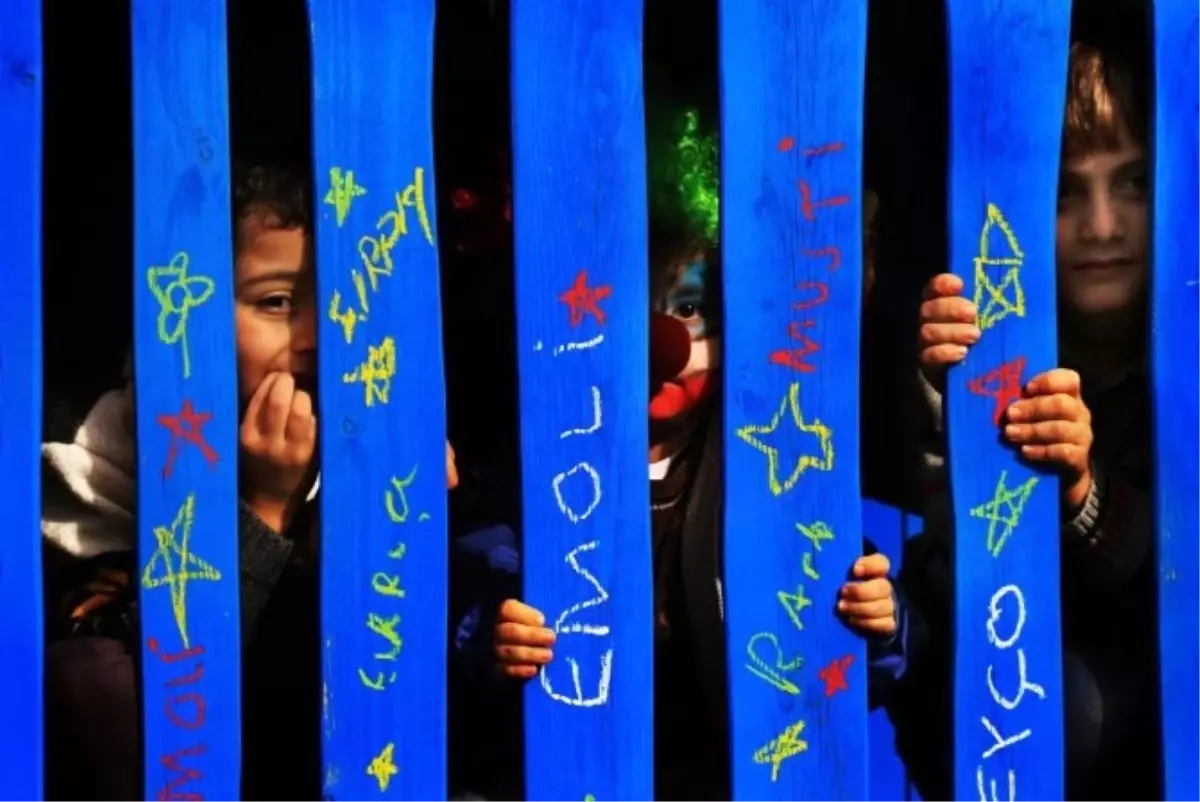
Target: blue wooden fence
[791,79]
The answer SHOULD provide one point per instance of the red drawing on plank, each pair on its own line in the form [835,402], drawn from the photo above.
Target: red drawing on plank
[809,207]
[173,763]
[186,426]
[1002,384]
[819,288]
[794,358]
[786,144]
[832,253]
[585,300]
[832,147]
[834,675]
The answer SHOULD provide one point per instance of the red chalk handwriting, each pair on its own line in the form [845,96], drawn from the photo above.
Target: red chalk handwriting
[834,255]
[809,207]
[834,675]
[198,706]
[186,426]
[585,300]
[174,707]
[794,357]
[174,763]
[832,147]
[786,144]
[1002,384]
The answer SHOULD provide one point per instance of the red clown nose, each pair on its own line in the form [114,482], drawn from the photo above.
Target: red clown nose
[670,348]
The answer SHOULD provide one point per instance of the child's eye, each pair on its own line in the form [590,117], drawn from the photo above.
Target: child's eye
[275,303]
[686,311]
[1133,185]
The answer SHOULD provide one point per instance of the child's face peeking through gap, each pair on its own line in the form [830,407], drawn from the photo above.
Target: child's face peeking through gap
[275,304]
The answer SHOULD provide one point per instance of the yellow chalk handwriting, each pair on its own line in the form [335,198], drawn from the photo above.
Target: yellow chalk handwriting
[759,668]
[377,683]
[999,304]
[398,552]
[176,298]
[386,629]
[1003,512]
[793,603]
[816,533]
[376,252]
[342,192]
[386,585]
[383,767]
[376,373]
[400,486]
[175,541]
[787,744]
[821,462]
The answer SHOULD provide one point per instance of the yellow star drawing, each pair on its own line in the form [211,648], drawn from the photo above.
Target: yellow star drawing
[998,304]
[1013,502]
[383,767]
[822,462]
[342,192]
[190,567]
[788,744]
[176,298]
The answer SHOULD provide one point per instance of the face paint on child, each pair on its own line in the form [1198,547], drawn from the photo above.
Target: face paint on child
[690,303]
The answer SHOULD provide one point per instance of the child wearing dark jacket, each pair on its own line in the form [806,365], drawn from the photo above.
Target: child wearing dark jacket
[89,531]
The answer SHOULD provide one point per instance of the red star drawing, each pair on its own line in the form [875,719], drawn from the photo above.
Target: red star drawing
[583,300]
[834,675]
[1003,384]
[186,426]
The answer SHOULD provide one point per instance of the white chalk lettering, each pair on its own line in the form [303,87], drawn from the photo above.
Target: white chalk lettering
[601,596]
[1001,742]
[596,417]
[1012,786]
[572,516]
[578,699]
[580,346]
[1025,685]
[995,612]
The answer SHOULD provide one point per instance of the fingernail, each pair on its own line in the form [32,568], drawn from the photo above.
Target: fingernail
[975,334]
[541,620]
[959,352]
[1012,431]
[1015,413]
[841,605]
[553,636]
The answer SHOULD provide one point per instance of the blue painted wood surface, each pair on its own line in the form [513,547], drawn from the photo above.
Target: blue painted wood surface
[1007,84]
[792,241]
[184,364]
[1175,349]
[21,730]
[382,402]
[582,293]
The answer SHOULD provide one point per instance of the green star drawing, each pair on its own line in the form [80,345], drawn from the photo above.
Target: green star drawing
[190,567]
[1003,512]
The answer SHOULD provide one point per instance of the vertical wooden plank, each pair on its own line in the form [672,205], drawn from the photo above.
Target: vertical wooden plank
[184,362]
[582,290]
[1007,84]
[1174,334]
[382,419]
[792,75]
[21,731]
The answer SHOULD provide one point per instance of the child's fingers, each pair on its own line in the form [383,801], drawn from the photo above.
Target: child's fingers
[524,635]
[1059,406]
[871,565]
[1060,453]
[277,407]
[300,428]
[1059,380]
[941,285]
[954,309]
[523,655]
[517,612]
[883,627]
[869,590]
[859,611]
[1046,433]
[451,467]
[940,356]
[254,409]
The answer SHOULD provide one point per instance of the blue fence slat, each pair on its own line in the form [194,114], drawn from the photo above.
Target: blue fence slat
[382,402]
[582,292]
[791,233]
[1175,347]
[21,396]
[184,362]
[1007,84]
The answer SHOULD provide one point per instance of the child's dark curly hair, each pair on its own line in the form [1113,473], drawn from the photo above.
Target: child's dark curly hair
[281,188]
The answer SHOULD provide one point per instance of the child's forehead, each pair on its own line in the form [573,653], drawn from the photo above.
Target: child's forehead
[268,250]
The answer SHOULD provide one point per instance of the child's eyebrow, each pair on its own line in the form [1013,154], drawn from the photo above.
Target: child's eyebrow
[279,274]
